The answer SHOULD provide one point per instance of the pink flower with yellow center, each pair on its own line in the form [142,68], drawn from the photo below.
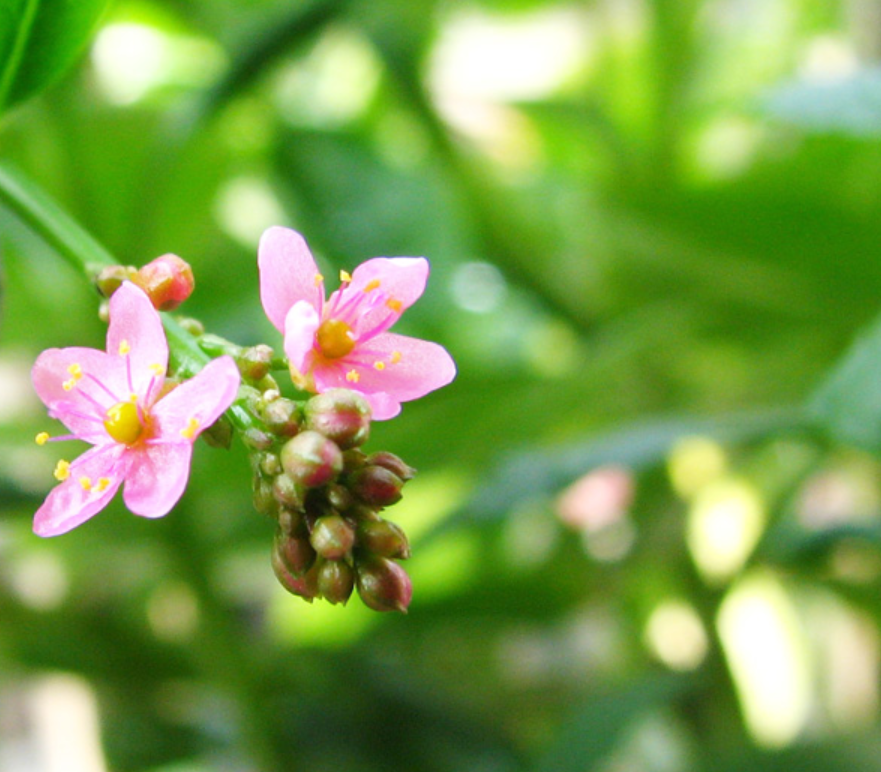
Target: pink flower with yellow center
[117,401]
[343,341]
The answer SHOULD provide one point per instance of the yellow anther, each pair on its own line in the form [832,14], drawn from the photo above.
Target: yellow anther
[353,376]
[371,285]
[124,348]
[42,438]
[62,470]
[318,279]
[157,370]
[133,398]
[379,365]
[85,483]
[75,370]
[394,304]
[395,357]
[69,385]
[123,423]
[345,277]
[335,338]
[103,484]
[190,430]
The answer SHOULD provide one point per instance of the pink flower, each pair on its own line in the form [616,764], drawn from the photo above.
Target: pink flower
[342,341]
[116,402]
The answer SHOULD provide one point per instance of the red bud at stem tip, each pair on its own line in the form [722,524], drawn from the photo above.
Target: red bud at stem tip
[383,585]
[167,280]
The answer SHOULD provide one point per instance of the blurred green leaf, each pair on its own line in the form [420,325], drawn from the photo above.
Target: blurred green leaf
[39,40]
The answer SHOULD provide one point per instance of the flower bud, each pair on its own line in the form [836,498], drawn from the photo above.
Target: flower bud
[255,362]
[339,497]
[305,586]
[376,485]
[353,459]
[382,538]
[269,463]
[281,416]
[295,552]
[287,492]
[340,415]
[167,280]
[111,276]
[219,434]
[332,537]
[393,463]
[264,501]
[336,580]
[383,585]
[311,459]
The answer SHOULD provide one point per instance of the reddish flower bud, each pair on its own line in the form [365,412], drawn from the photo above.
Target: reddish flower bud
[167,280]
[377,486]
[287,492]
[393,463]
[281,416]
[295,552]
[340,415]
[383,585]
[306,586]
[383,538]
[336,580]
[255,362]
[332,537]
[311,459]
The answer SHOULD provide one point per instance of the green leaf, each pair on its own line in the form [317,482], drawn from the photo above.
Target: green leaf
[848,403]
[39,40]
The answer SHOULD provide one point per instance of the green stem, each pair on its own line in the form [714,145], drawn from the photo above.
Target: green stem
[13,61]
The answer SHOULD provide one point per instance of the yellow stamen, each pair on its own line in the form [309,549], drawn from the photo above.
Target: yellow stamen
[62,470]
[345,277]
[318,279]
[353,376]
[371,285]
[85,483]
[157,370]
[124,348]
[335,338]
[75,370]
[123,423]
[69,385]
[42,438]
[190,430]
[379,365]
[103,484]
[394,304]
[133,398]
[395,358]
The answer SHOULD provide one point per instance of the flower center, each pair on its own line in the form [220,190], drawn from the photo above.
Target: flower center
[335,339]
[123,423]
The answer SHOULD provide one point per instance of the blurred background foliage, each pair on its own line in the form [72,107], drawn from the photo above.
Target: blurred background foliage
[647,524]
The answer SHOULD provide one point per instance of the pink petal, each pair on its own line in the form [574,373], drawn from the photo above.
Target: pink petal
[157,477]
[135,325]
[196,403]
[69,504]
[287,274]
[410,369]
[82,408]
[301,324]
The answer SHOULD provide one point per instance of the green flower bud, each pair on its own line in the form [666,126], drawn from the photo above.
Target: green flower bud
[264,501]
[339,497]
[192,326]
[257,439]
[311,459]
[295,552]
[393,463]
[376,485]
[292,521]
[332,537]
[306,586]
[255,362]
[219,434]
[281,416]
[111,276]
[340,415]
[382,538]
[287,492]
[269,464]
[383,585]
[336,580]
[353,459]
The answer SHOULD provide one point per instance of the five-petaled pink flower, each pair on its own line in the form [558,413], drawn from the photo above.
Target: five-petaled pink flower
[343,341]
[116,402]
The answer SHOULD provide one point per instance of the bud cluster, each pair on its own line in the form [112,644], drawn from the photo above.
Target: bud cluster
[326,495]
[168,280]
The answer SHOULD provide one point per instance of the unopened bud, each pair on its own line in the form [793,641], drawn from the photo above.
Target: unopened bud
[287,492]
[111,276]
[336,580]
[377,486]
[219,434]
[255,362]
[281,416]
[311,459]
[383,538]
[353,459]
[340,415]
[264,501]
[332,537]
[383,585]
[167,280]
[269,464]
[257,439]
[295,552]
[393,463]
[306,586]
[339,497]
